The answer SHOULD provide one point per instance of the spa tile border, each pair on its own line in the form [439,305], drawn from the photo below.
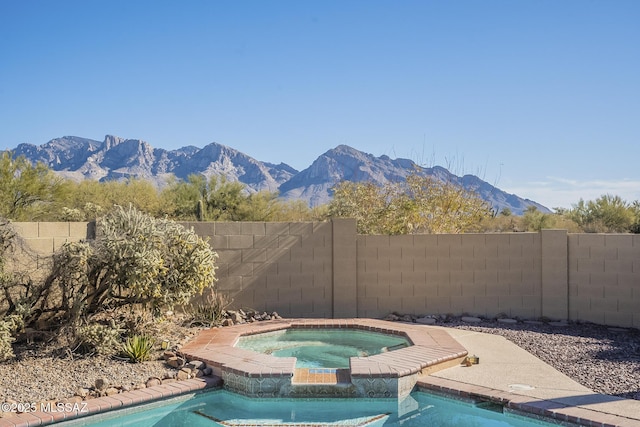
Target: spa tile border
[529,406]
[109,403]
[431,347]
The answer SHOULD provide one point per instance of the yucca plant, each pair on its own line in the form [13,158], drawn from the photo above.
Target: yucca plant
[138,348]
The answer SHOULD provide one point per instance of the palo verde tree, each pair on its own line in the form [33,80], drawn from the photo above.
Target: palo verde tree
[134,260]
[606,214]
[89,199]
[218,199]
[420,204]
[28,192]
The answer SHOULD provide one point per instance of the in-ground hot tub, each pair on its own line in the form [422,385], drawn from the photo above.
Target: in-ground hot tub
[393,371]
[323,347]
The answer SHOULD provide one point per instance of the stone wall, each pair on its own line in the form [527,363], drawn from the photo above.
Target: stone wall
[324,269]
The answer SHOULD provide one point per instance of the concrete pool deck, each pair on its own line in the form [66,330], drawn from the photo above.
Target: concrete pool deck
[511,376]
[506,374]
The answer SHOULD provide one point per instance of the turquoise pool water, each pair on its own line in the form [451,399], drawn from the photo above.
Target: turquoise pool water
[222,408]
[322,348]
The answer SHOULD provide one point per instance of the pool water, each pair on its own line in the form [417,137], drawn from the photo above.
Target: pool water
[222,408]
[322,348]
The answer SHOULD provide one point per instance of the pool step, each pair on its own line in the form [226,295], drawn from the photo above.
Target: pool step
[321,376]
[375,420]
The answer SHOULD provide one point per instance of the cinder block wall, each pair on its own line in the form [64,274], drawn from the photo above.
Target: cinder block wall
[324,269]
[480,274]
[47,237]
[604,278]
[274,266]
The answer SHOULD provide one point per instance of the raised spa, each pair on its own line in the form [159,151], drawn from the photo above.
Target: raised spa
[323,348]
[324,357]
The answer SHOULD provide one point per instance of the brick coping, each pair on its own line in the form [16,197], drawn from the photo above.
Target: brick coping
[430,347]
[101,405]
[528,406]
[551,409]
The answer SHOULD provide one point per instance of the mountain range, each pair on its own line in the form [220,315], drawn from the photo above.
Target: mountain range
[118,158]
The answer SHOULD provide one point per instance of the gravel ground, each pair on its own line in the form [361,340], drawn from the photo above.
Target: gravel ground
[603,359]
[606,360]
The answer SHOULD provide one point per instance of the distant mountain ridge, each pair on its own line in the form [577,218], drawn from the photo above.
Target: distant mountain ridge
[118,158]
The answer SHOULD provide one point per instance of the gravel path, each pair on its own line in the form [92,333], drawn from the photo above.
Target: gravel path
[603,359]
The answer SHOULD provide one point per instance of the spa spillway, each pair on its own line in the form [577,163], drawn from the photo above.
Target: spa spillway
[324,358]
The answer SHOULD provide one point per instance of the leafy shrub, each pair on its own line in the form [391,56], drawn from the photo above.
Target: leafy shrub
[138,348]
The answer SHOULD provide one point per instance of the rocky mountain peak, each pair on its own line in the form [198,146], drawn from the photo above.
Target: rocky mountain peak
[120,158]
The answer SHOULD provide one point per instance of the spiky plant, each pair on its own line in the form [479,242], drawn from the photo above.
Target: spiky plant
[138,348]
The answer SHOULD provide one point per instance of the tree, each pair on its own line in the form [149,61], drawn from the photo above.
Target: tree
[369,205]
[28,192]
[635,226]
[219,199]
[606,214]
[438,206]
[534,220]
[420,204]
[90,199]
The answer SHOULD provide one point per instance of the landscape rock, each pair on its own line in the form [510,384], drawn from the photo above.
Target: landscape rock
[196,364]
[111,391]
[426,320]
[235,316]
[82,392]
[183,374]
[151,382]
[101,384]
[175,362]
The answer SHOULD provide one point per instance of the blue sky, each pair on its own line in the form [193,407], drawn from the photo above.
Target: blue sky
[540,97]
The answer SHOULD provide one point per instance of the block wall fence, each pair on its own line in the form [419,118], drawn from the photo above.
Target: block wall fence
[325,269]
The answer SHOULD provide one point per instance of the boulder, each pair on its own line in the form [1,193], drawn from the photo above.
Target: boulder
[196,364]
[82,392]
[153,381]
[111,391]
[184,374]
[175,362]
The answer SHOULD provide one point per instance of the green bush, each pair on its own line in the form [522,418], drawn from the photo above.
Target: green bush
[138,348]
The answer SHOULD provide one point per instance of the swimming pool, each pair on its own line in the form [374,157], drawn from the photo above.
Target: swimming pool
[322,348]
[223,408]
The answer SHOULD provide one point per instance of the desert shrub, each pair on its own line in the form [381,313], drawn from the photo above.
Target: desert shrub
[135,260]
[8,328]
[138,348]
[210,311]
[98,338]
